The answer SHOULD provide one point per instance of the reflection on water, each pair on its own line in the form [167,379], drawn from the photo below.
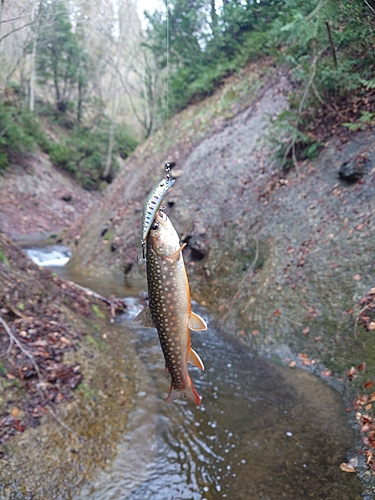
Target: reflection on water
[262,432]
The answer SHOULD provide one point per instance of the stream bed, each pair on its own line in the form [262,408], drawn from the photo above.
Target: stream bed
[263,431]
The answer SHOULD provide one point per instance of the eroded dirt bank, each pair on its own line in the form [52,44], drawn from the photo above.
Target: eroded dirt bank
[282,258]
[38,200]
[66,389]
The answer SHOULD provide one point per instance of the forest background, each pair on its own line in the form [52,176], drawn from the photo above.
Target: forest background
[87,80]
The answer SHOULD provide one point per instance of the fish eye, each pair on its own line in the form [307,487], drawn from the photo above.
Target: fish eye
[162,184]
[154,226]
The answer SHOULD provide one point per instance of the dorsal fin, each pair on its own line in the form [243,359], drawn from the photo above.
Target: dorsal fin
[145,318]
[195,360]
[196,323]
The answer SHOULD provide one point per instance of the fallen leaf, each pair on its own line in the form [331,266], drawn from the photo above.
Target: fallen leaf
[15,412]
[326,373]
[277,312]
[357,277]
[365,428]
[347,467]
[371,326]
[368,385]
[306,330]
[292,364]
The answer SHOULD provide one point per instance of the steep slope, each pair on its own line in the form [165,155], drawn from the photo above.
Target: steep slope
[37,199]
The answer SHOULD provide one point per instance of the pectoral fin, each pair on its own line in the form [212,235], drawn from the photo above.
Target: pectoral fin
[145,318]
[196,323]
[175,255]
[195,360]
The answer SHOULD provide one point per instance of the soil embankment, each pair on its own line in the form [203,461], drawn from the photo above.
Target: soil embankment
[37,200]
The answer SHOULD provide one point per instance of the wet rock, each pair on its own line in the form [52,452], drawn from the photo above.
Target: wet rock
[352,171]
[67,197]
[115,243]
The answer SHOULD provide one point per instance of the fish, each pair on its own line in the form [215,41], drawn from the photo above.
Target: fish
[169,309]
[153,203]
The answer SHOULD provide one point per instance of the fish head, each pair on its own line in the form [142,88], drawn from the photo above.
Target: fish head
[163,237]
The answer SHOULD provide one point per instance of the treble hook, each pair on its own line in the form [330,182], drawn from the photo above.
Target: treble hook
[143,243]
[168,169]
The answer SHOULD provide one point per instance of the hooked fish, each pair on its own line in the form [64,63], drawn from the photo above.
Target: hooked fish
[153,203]
[169,309]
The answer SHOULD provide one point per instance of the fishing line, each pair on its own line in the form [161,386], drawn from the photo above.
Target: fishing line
[167,50]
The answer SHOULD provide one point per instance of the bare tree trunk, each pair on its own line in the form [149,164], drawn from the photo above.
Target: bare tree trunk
[32,76]
[32,63]
[1,12]
[213,16]
[108,162]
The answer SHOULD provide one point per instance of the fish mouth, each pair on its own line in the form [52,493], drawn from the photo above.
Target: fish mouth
[162,219]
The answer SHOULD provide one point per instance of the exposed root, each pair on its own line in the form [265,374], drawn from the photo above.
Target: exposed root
[21,347]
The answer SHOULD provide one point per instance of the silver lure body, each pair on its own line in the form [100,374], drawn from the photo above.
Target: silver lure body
[153,203]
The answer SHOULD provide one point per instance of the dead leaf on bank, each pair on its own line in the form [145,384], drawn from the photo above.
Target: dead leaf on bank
[368,384]
[357,277]
[15,412]
[347,467]
[326,373]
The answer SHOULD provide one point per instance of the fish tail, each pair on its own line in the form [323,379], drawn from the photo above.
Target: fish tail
[189,393]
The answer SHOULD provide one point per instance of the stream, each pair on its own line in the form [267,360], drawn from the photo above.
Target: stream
[263,431]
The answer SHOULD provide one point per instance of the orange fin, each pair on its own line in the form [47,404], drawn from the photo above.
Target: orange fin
[196,323]
[145,318]
[195,360]
[175,255]
[189,393]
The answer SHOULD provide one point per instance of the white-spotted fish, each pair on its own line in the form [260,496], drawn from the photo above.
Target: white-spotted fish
[169,309]
[153,203]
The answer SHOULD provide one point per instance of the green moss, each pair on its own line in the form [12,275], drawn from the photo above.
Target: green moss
[109,235]
[92,341]
[3,258]
[98,313]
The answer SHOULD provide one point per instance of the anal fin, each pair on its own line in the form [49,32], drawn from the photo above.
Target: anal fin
[195,360]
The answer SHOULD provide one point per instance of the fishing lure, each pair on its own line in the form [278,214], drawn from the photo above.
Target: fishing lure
[153,203]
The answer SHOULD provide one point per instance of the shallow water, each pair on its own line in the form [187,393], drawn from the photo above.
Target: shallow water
[263,431]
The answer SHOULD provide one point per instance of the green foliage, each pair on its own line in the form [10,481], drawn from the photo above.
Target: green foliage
[60,58]
[83,154]
[206,45]
[362,123]
[289,143]
[20,131]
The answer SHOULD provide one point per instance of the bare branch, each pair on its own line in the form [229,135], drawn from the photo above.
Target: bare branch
[21,348]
